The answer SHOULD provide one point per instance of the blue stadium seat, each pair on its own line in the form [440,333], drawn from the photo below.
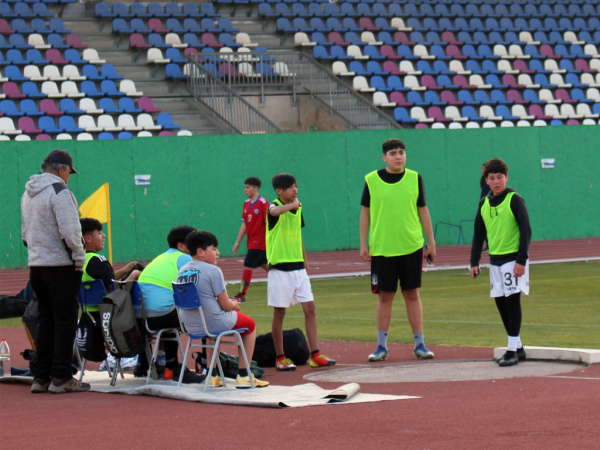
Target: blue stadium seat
[126,105]
[88,87]
[109,72]
[13,73]
[470,113]
[190,10]
[156,10]
[497,98]
[156,40]
[109,89]
[67,105]
[166,121]
[139,10]
[29,108]
[401,115]
[56,41]
[47,125]
[14,56]
[9,108]
[465,97]
[74,57]
[207,10]
[173,72]
[175,56]
[192,40]
[105,136]
[57,26]
[30,89]
[120,26]
[174,25]
[108,105]
[121,10]
[91,73]
[67,124]
[395,83]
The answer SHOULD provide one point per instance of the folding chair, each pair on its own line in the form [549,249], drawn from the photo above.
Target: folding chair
[91,293]
[187,298]
[153,336]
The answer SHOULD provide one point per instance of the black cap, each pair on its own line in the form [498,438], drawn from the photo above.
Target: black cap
[60,157]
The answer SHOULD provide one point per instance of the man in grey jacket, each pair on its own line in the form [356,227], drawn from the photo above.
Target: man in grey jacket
[56,254]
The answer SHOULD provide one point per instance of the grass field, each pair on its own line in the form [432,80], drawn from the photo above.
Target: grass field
[563,309]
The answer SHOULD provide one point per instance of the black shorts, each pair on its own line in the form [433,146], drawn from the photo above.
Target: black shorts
[387,270]
[255,258]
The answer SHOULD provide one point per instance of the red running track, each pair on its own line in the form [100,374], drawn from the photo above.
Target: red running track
[347,262]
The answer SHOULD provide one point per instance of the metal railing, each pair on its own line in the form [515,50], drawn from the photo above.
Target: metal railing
[294,72]
[211,90]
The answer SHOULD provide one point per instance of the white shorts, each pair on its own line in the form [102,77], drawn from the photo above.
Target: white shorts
[285,289]
[503,282]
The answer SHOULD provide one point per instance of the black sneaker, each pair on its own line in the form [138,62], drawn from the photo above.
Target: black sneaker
[189,377]
[520,354]
[139,372]
[241,298]
[510,358]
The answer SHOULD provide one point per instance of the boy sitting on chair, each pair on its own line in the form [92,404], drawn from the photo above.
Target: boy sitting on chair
[220,312]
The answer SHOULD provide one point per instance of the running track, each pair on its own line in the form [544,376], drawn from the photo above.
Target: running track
[331,264]
[520,413]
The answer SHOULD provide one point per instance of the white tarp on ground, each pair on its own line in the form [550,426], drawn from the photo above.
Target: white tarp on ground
[270,397]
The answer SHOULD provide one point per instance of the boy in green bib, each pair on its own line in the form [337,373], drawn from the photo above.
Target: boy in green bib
[502,217]
[394,213]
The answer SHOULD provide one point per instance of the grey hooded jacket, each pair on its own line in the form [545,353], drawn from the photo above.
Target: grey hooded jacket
[51,229]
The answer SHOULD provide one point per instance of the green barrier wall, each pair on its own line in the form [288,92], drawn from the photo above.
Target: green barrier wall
[198,181]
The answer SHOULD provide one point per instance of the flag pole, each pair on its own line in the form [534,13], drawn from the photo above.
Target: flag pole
[110,259]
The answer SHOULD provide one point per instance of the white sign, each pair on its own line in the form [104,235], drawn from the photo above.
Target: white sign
[142,180]
[548,163]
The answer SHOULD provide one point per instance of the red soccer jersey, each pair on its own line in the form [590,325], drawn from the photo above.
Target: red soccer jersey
[255,217]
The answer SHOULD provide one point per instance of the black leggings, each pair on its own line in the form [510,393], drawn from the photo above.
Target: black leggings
[510,311]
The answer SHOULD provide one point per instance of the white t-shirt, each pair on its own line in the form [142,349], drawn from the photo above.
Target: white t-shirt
[210,283]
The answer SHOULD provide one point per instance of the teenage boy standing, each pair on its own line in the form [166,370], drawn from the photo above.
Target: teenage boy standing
[393,213]
[502,217]
[288,282]
[254,219]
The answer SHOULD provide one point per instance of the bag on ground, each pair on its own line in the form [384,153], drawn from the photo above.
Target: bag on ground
[294,346]
[120,329]
[90,340]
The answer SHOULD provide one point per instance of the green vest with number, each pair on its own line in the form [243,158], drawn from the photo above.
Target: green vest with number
[501,226]
[395,227]
[162,270]
[284,241]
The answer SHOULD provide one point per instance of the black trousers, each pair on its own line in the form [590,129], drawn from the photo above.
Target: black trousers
[56,288]
[170,320]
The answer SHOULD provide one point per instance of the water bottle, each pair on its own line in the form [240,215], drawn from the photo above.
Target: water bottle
[161,363]
[4,359]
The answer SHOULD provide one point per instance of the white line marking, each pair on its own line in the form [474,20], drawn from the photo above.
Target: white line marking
[571,378]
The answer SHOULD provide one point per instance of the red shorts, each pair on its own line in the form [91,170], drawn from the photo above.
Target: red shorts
[244,321]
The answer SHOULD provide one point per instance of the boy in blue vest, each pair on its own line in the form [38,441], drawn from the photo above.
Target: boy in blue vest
[288,282]
[502,217]
[393,213]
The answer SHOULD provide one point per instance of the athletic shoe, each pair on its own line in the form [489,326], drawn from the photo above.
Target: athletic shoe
[241,298]
[63,387]
[321,361]
[244,382]
[215,381]
[510,358]
[189,377]
[138,372]
[39,386]
[421,352]
[380,354]
[285,365]
[521,355]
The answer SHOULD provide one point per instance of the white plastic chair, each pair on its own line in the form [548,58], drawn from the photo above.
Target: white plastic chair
[521,112]
[421,51]
[87,122]
[477,80]
[244,39]
[488,124]
[553,111]
[571,37]
[144,134]
[457,66]
[472,125]
[89,106]
[539,123]
[173,40]
[380,99]
[556,78]
[407,66]
[438,126]
[339,68]
[516,51]
[52,73]
[85,137]
[507,124]
[412,82]
[525,79]
[455,126]
[37,41]
[398,23]
[584,110]
[107,123]
[590,49]
[488,112]
[127,123]
[500,50]
[184,133]
[452,112]
[552,66]
[525,36]
[155,56]
[369,38]
[51,90]
[128,88]
[282,69]
[356,52]
[145,121]
[300,40]
[33,73]
[566,109]
[247,70]
[69,89]
[91,56]
[547,96]
[360,84]
[22,137]
[506,66]
[418,113]
[71,72]
[523,123]
[64,137]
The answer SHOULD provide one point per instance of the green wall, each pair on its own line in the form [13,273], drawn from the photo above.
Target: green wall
[198,181]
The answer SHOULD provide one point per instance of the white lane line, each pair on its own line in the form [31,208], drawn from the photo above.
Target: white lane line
[571,378]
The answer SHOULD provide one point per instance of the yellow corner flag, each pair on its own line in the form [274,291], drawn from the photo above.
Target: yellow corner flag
[97,206]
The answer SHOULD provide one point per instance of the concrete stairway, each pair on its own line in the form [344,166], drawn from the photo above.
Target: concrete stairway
[178,102]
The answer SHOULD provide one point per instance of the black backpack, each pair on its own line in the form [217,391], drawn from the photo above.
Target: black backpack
[294,346]
[11,306]
[89,338]
[119,326]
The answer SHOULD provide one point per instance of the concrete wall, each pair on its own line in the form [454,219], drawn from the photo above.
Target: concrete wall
[199,181]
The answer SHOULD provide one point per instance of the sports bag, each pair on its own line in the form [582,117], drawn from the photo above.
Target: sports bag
[11,306]
[294,347]
[90,340]
[119,326]
[31,322]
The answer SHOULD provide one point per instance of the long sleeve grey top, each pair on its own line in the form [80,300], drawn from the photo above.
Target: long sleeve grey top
[51,230]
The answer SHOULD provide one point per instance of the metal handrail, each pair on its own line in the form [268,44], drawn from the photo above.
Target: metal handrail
[295,71]
[228,105]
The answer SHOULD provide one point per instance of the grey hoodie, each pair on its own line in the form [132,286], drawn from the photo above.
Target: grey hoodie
[51,229]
